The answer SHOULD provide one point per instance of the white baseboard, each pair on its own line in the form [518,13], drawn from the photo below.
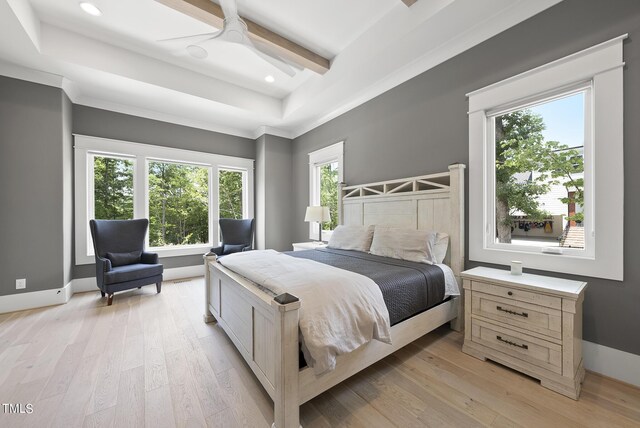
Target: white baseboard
[58,296]
[35,299]
[611,362]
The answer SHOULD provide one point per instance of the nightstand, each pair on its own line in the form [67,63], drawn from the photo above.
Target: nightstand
[299,246]
[530,323]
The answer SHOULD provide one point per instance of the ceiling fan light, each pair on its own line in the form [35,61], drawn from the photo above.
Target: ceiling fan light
[197,51]
[269,79]
[90,8]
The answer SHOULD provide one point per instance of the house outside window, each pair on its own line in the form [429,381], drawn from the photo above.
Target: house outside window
[325,176]
[546,166]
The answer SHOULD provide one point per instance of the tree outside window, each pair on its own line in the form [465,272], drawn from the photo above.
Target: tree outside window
[230,194]
[113,188]
[329,192]
[178,204]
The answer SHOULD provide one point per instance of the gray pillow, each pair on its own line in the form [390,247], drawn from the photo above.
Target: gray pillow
[123,259]
[229,249]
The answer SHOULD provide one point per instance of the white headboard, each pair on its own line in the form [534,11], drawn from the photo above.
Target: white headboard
[428,202]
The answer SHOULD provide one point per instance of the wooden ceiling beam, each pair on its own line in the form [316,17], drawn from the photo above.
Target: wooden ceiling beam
[409,2]
[211,13]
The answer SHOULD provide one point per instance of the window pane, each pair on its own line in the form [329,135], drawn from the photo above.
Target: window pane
[178,204]
[540,174]
[112,188]
[230,194]
[329,192]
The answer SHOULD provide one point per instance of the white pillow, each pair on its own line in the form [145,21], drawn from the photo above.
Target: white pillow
[356,238]
[440,246]
[405,244]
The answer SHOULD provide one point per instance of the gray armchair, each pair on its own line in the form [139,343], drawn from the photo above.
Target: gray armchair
[121,262]
[237,236]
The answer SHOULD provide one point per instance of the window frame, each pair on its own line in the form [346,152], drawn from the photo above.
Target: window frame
[85,147]
[588,207]
[317,159]
[598,69]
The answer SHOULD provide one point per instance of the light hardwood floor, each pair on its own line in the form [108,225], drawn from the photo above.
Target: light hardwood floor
[149,360]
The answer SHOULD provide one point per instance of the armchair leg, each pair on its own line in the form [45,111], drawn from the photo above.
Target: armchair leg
[158,286]
[103,293]
[110,299]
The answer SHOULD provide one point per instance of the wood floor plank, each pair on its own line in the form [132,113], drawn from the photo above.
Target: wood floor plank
[223,419]
[244,409]
[158,411]
[130,406]
[67,364]
[73,406]
[133,352]
[103,419]
[155,370]
[186,406]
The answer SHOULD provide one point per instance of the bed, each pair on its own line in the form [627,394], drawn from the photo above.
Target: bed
[264,328]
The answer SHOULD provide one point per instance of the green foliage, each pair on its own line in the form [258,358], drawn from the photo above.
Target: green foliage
[329,193]
[230,192]
[178,204]
[113,188]
[521,150]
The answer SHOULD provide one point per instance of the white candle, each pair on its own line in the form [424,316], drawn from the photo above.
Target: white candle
[516,267]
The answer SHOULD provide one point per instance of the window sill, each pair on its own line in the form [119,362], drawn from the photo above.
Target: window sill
[602,266]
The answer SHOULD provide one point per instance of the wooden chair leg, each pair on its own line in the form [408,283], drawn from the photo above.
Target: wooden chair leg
[158,286]
[103,293]
[110,299]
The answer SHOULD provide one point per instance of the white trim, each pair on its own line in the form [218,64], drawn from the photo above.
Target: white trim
[602,65]
[611,362]
[85,146]
[332,153]
[60,296]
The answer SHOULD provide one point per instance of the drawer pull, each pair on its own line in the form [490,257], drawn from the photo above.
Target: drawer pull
[509,311]
[508,342]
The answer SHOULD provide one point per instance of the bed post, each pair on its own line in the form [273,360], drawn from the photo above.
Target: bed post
[456,198]
[207,316]
[286,399]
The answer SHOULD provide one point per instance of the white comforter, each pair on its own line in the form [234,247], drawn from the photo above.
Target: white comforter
[339,312]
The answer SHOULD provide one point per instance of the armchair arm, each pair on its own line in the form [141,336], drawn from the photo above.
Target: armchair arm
[102,265]
[149,258]
[217,250]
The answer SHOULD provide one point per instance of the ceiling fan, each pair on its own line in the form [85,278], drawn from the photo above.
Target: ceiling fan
[234,30]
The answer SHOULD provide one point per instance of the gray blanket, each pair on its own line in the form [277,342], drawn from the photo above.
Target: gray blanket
[408,288]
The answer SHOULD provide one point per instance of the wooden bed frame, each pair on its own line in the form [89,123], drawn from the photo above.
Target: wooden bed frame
[266,332]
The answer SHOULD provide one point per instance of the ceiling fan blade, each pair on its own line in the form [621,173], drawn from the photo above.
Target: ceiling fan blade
[204,36]
[275,61]
[229,8]
[272,52]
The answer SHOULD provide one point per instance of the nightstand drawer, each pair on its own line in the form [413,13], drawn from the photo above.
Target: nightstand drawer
[539,319]
[527,348]
[517,294]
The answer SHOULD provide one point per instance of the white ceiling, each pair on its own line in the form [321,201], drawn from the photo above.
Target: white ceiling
[116,62]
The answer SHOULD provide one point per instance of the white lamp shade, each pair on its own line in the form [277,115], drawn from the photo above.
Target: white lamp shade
[317,213]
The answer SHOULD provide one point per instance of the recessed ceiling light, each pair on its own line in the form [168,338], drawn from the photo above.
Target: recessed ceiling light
[197,51]
[269,79]
[90,8]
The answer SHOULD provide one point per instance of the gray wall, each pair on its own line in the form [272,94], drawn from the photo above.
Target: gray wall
[421,126]
[31,186]
[273,193]
[108,124]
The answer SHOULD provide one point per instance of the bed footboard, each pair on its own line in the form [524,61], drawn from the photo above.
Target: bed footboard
[265,332]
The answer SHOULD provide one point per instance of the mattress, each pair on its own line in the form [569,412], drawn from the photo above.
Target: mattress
[408,288]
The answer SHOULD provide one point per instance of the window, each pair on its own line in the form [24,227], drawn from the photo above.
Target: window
[231,191]
[112,188]
[325,176]
[538,180]
[182,193]
[178,204]
[545,173]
